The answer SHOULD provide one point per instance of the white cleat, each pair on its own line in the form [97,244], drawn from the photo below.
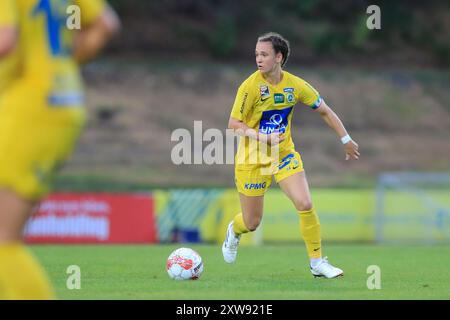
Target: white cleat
[230,245]
[325,269]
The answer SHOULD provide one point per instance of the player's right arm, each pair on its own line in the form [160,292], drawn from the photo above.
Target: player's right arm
[8,27]
[99,24]
[243,104]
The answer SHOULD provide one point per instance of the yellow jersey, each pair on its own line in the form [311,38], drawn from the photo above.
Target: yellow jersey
[41,93]
[43,57]
[268,108]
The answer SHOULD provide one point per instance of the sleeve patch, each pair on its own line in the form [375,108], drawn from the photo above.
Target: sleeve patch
[317,103]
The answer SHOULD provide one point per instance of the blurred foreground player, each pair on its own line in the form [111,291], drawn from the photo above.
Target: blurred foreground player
[41,116]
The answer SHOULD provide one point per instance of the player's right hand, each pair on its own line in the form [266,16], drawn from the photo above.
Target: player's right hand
[274,138]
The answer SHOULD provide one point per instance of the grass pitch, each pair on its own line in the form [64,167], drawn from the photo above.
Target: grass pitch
[265,272]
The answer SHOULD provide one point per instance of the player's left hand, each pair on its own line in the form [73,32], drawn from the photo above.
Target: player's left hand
[351,150]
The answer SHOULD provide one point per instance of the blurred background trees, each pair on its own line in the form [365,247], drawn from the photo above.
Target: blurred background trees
[319,30]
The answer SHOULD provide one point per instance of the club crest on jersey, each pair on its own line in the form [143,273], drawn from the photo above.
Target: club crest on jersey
[264,90]
[290,97]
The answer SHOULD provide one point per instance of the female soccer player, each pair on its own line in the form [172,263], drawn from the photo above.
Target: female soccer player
[262,114]
[41,116]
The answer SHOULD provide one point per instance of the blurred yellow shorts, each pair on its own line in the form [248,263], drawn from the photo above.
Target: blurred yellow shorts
[255,181]
[34,144]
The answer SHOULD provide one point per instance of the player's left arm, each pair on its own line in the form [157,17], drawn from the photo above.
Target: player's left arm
[333,121]
[311,97]
[99,25]
[8,27]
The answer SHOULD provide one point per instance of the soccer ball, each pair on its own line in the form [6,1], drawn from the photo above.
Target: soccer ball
[184,264]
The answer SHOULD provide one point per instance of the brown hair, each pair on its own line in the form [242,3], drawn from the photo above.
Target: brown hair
[279,44]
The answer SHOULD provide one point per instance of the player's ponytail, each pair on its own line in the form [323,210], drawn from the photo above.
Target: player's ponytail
[279,44]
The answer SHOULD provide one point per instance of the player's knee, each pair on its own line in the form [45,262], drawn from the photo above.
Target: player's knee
[10,236]
[303,204]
